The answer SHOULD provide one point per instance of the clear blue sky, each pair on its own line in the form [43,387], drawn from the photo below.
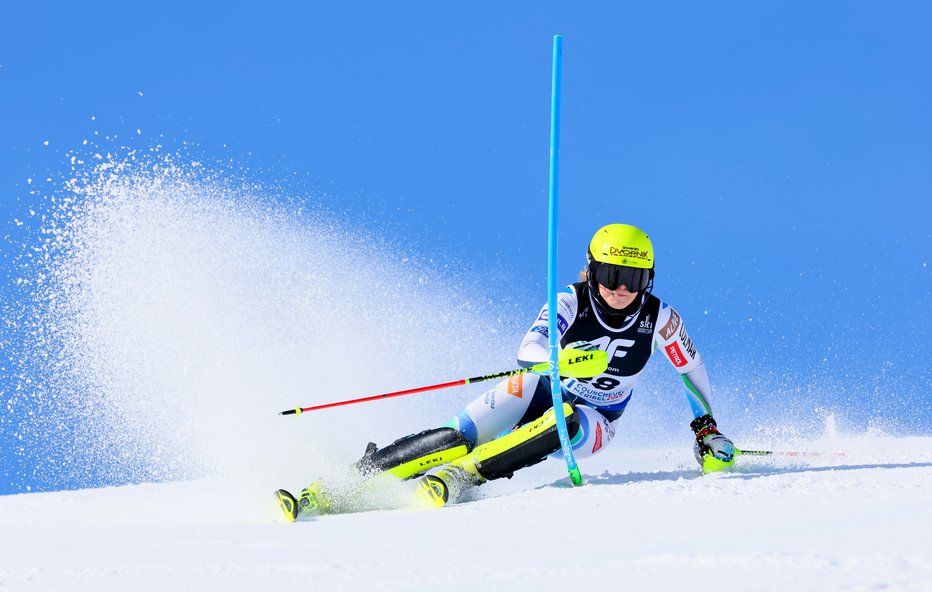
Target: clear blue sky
[780,154]
[675,118]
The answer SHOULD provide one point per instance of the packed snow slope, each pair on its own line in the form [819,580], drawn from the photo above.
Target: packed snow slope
[644,520]
[163,314]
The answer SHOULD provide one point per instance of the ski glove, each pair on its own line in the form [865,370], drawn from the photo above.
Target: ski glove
[713,451]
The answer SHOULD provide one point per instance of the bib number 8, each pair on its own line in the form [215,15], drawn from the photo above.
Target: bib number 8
[603,383]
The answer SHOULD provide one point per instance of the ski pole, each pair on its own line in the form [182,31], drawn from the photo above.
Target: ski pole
[574,363]
[553,209]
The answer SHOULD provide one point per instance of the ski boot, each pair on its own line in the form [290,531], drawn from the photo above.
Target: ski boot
[405,458]
[313,501]
[435,491]
[522,447]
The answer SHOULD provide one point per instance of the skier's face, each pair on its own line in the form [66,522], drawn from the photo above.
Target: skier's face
[618,298]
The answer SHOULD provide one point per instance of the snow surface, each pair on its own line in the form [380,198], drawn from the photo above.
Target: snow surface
[645,519]
[172,316]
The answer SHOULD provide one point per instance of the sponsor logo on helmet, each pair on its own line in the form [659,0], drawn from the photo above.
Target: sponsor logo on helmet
[628,253]
[669,330]
[515,386]
[541,329]
[676,356]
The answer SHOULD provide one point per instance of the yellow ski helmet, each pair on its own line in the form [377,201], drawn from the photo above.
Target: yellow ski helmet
[621,254]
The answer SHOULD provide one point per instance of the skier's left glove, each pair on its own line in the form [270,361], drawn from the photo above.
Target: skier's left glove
[713,451]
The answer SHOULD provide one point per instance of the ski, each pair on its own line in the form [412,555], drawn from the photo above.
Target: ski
[288,504]
[343,497]
[432,491]
[788,453]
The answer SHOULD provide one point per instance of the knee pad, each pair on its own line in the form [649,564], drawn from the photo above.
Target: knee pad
[412,455]
[525,446]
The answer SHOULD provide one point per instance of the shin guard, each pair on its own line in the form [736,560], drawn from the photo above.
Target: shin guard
[412,455]
[523,447]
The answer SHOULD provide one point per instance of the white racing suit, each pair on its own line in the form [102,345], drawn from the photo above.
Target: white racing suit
[600,400]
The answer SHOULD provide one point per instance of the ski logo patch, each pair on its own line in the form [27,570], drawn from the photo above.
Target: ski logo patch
[676,355]
[646,326]
[669,330]
[516,386]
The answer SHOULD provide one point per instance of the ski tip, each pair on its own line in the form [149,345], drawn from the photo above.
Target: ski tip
[288,505]
[432,492]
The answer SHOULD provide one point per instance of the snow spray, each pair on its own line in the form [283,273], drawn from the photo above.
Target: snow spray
[173,310]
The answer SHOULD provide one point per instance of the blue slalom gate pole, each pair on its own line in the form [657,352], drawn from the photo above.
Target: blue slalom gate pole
[553,314]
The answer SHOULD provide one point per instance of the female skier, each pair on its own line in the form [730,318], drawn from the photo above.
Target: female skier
[512,426]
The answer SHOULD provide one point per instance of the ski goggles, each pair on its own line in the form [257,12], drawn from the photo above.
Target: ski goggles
[612,276]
